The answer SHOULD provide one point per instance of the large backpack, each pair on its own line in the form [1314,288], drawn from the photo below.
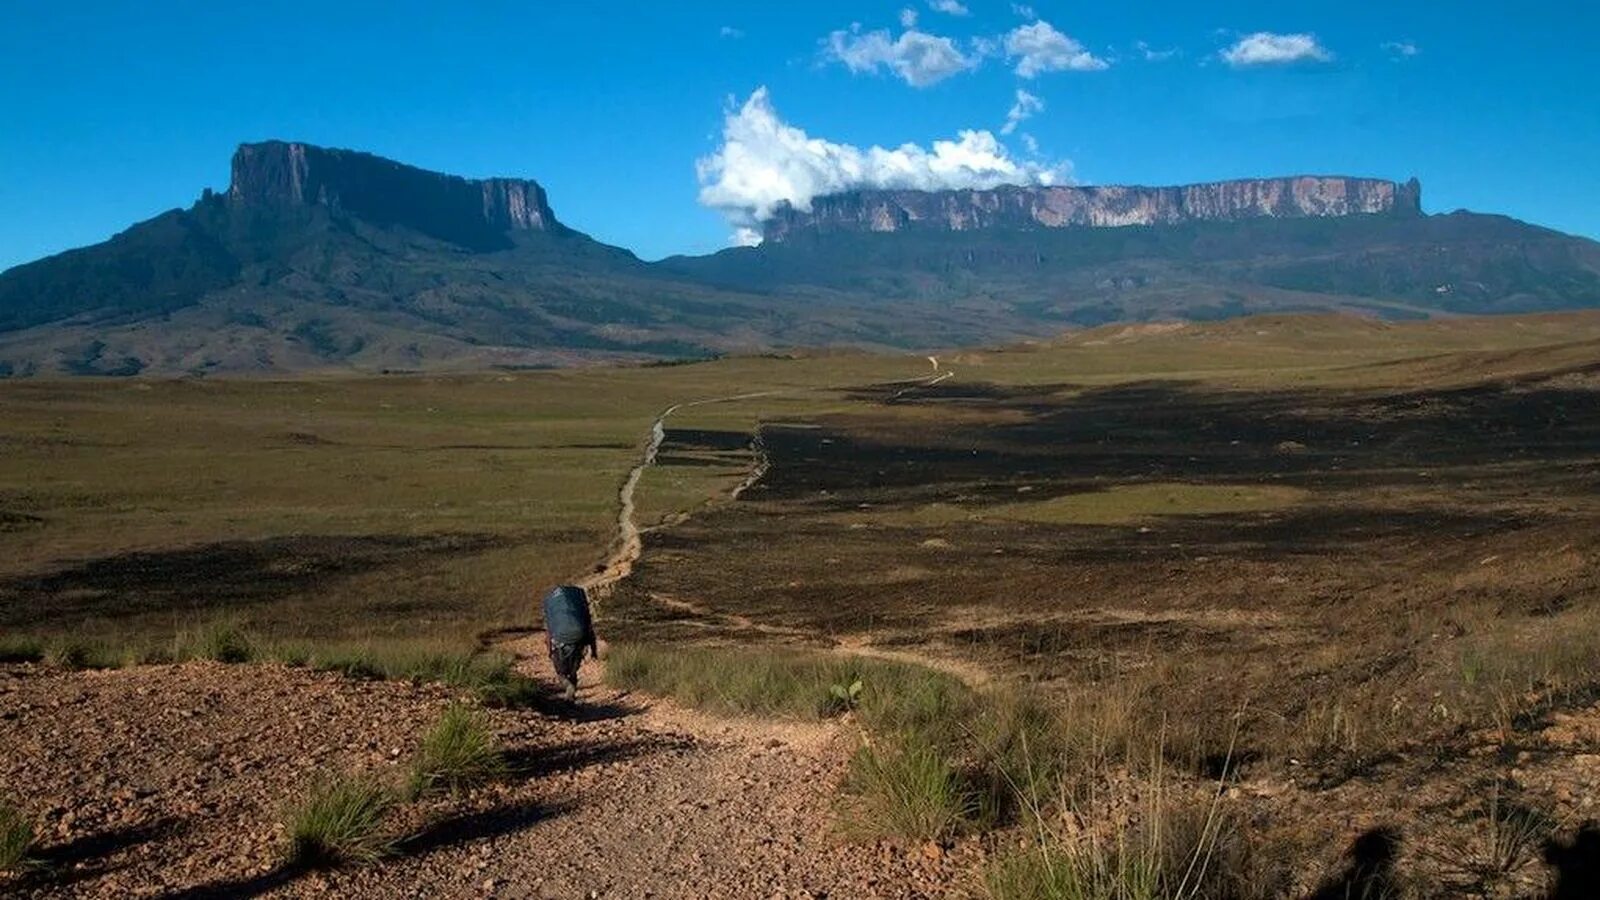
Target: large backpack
[566,615]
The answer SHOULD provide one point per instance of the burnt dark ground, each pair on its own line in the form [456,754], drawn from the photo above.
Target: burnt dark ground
[1409,490]
[1431,519]
[240,578]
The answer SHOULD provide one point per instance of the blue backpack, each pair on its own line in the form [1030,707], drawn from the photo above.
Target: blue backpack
[566,615]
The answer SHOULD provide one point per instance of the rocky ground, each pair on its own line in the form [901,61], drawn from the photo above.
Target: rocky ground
[168,781]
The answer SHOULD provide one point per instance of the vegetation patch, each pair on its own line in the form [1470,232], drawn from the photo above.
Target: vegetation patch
[937,756]
[910,787]
[21,648]
[224,641]
[459,752]
[79,653]
[1167,853]
[341,820]
[16,837]
[780,682]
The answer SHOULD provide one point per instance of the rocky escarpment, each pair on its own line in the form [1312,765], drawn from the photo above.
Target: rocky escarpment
[1096,207]
[278,174]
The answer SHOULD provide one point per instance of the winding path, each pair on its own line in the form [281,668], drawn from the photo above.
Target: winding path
[628,545]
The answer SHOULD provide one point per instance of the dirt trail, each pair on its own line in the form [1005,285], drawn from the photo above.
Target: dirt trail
[629,542]
[708,807]
[846,645]
[168,781]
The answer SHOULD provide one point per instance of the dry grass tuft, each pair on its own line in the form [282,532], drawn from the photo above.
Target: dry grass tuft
[458,753]
[341,820]
[16,837]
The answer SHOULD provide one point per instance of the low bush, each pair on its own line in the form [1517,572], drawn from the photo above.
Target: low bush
[20,648]
[76,653]
[909,788]
[223,640]
[783,683]
[459,752]
[400,660]
[16,837]
[1170,853]
[341,820]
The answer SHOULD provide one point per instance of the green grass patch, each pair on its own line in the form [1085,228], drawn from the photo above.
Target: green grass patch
[223,640]
[1168,853]
[16,837]
[341,820]
[419,661]
[490,676]
[459,752]
[16,648]
[910,787]
[783,683]
[79,653]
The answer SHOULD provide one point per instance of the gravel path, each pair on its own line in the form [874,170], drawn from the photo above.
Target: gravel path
[167,781]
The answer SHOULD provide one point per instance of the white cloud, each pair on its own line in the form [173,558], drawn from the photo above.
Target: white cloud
[1024,10]
[1039,48]
[764,161]
[949,7]
[728,31]
[1267,49]
[1401,48]
[918,58]
[1151,54]
[1030,144]
[908,18]
[1022,110]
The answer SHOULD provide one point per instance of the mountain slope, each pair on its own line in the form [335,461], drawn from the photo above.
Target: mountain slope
[318,259]
[334,259]
[1398,266]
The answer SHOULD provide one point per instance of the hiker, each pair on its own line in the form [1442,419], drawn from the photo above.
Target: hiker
[568,629]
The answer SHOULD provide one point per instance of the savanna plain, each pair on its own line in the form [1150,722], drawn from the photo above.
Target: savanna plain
[1290,606]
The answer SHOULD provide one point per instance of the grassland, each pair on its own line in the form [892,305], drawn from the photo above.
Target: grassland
[1338,555]
[381,508]
[1316,559]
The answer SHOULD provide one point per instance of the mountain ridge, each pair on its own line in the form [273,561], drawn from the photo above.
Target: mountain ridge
[1096,206]
[317,259]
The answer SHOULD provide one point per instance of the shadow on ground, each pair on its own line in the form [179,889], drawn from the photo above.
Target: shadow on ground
[237,573]
[478,825]
[85,857]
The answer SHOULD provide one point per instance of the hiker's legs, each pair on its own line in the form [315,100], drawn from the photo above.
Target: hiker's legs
[564,658]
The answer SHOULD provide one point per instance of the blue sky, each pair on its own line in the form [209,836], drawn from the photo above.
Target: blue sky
[116,111]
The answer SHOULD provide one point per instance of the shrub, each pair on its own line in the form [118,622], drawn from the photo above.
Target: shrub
[1172,853]
[224,641]
[459,752]
[341,820]
[16,837]
[76,653]
[909,788]
[400,660]
[1507,840]
[20,648]
[1055,871]
[786,683]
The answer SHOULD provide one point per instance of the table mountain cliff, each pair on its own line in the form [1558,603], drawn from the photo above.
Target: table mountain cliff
[323,259]
[1072,206]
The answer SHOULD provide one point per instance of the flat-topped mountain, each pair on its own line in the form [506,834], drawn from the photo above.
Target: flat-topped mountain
[318,259]
[463,210]
[1069,206]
